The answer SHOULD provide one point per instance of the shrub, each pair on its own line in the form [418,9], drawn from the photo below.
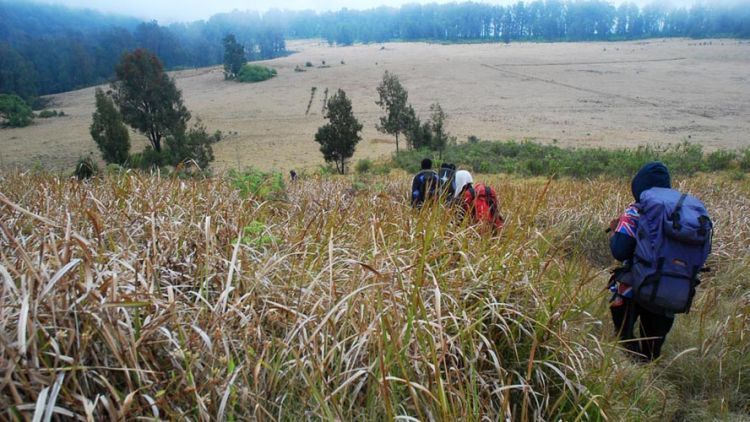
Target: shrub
[308,64]
[148,159]
[14,111]
[255,73]
[86,168]
[46,114]
[258,184]
[534,159]
[720,160]
[363,166]
[744,158]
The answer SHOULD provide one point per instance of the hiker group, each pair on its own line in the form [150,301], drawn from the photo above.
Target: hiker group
[457,188]
[662,239]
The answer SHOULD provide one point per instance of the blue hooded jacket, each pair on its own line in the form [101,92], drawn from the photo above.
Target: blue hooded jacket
[652,175]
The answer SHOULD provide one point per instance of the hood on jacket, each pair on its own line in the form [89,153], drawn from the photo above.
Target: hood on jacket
[652,175]
[463,178]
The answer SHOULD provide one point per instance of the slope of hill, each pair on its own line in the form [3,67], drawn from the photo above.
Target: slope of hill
[132,295]
[594,94]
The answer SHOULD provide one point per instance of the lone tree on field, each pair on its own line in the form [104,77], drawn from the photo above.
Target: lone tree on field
[234,57]
[340,136]
[393,100]
[148,99]
[108,130]
[437,124]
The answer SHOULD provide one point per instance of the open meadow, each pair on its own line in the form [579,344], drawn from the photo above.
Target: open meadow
[134,295]
[593,94]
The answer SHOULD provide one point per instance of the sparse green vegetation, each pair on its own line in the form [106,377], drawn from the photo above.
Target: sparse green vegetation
[46,114]
[259,185]
[535,159]
[255,73]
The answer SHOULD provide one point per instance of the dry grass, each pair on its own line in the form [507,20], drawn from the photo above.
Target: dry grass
[130,295]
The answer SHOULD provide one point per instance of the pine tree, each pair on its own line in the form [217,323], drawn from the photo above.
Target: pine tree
[338,138]
[108,130]
[234,57]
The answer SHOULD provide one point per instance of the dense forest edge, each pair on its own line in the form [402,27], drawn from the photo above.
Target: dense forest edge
[47,49]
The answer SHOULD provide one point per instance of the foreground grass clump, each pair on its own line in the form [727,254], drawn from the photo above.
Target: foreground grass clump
[535,159]
[138,296]
[255,73]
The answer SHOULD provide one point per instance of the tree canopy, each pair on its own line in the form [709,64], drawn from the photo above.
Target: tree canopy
[234,57]
[393,99]
[148,99]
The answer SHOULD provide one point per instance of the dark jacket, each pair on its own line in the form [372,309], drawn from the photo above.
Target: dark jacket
[423,186]
[652,175]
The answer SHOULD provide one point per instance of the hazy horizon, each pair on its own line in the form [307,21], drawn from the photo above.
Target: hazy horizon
[169,11]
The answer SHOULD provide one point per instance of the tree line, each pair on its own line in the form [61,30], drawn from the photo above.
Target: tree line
[47,49]
[550,20]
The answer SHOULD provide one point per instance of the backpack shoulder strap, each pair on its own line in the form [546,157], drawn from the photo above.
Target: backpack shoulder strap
[676,213]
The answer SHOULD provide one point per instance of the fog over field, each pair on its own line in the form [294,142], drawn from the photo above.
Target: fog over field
[593,94]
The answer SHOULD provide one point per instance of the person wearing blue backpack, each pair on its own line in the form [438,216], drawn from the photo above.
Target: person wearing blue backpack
[663,240]
[425,184]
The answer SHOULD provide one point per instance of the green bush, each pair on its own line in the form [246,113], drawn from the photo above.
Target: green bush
[308,64]
[255,73]
[14,111]
[720,160]
[86,168]
[745,159]
[258,184]
[148,159]
[46,114]
[363,166]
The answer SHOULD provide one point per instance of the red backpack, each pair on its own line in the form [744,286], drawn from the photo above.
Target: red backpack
[482,202]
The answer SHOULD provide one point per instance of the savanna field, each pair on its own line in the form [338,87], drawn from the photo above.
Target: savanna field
[149,296]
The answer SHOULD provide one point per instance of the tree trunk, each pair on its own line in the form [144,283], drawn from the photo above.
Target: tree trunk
[396,143]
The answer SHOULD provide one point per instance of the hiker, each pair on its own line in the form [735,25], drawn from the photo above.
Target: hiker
[424,184]
[479,201]
[663,240]
[293,175]
[446,180]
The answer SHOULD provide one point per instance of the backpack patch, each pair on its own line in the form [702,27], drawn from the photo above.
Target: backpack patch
[673,241]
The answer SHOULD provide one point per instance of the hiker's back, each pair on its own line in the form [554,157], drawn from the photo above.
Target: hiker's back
[673,241]
[423,187]
[446,180]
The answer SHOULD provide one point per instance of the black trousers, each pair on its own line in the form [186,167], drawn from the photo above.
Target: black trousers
[653,329]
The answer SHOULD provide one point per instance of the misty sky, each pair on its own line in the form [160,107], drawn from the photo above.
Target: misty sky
[167,11]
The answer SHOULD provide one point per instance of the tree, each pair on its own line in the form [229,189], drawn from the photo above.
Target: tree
[14,111]
[437,124]
[234,57]
[108,130]
[148,99]
[340,136]
[193,145]
[393,100]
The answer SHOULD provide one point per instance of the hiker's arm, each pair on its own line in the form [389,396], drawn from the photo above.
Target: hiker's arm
[415,189]
[622,246]
[622,241]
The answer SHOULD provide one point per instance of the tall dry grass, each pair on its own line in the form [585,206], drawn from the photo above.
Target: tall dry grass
[144,296]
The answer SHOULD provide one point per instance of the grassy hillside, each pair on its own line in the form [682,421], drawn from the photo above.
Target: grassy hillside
[134,295]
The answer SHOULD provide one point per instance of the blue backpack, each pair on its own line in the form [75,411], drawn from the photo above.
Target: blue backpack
[673,241]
